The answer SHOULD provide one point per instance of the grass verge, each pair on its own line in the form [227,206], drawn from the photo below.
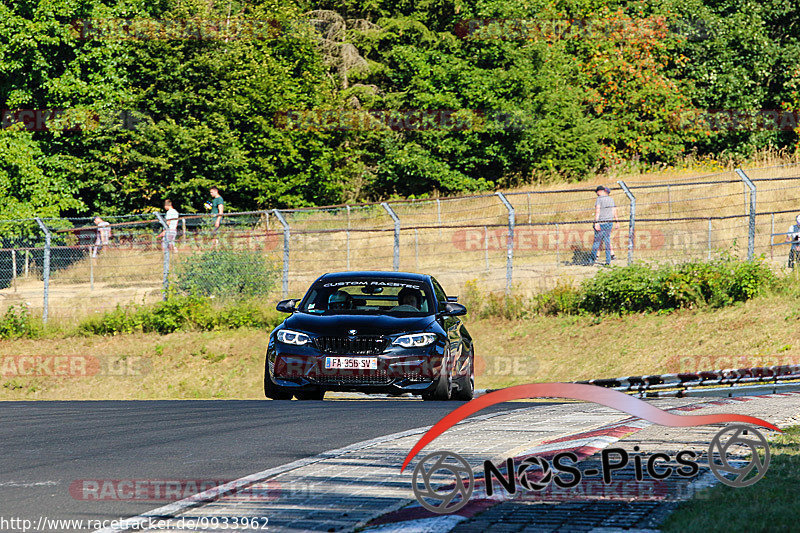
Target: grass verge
[229,363]
[770,504]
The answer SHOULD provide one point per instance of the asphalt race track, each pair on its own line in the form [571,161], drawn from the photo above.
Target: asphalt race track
[46,446]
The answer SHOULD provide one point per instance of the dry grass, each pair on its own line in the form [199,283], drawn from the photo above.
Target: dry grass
[229,364]
[222,364]
[760,332]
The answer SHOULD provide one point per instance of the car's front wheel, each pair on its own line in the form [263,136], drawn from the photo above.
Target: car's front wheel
[443,388]
[273,391]
[466,383]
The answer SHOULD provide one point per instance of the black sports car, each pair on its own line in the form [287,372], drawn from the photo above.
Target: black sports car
[388,332]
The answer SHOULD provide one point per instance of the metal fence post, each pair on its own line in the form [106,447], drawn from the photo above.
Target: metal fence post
[286,236]
[632,221]
[669,201]
[165,248]
[510,241]
[14,268]
[486,247]
[347,236]
[45,267]
[439,215]
[771,235]
[751,234]
[558,248]
[91,271]
[416,249]
[529,208]
[396,255]
[709,238]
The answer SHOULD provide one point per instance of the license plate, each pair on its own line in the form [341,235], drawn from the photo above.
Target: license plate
[352,363]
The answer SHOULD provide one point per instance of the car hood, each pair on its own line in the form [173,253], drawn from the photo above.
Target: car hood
[363,324]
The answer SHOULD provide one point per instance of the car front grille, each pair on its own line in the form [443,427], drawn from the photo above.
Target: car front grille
[373,378]
[363,345]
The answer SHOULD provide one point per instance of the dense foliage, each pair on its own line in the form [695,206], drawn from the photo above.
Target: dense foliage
[538,88]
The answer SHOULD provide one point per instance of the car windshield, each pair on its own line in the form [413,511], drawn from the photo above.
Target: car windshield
[364,296]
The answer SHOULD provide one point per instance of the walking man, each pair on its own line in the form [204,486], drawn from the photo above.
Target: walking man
[103,235]
[169,234]
[605,216]
[217,210]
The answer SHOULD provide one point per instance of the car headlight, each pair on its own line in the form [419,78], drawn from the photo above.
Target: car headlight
[415,340]
[288,336]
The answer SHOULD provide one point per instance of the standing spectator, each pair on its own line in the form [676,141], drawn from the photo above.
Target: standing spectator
[217,210]
[171,231]
[793,236]
[605,216]
[613,255]
[103,235]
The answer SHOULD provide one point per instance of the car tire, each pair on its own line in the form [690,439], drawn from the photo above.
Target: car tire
[466,384]
[318,394]
[273,391]
[442,391]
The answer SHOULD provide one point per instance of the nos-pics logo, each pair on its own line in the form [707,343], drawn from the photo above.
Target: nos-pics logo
[443,482]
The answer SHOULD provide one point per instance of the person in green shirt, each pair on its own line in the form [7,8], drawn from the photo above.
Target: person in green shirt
[217,209]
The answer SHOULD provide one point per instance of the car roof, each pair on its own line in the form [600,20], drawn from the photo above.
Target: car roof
[375,274]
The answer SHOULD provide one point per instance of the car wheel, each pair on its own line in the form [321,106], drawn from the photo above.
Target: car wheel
[466,384]
[318,394]
[273,391]
[443,387]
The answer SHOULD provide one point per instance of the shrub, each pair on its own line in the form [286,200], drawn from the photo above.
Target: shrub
[509,306]
[17,322]
[635,288]
[179,313]
[564,298]
[226,273]
[639,288]
[485,305]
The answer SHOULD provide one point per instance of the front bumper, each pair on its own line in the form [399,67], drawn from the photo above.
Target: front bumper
[397,371]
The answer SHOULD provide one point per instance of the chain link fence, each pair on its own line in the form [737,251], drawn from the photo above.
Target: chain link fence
[523,241]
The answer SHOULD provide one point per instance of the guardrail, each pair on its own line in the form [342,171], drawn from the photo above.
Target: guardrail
[723,382]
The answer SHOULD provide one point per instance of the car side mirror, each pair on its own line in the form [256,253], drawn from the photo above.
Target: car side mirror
[286,306]
[454,309]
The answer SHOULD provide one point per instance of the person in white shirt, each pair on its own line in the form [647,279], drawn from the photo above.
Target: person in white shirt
[168,235]
[103,235]
[793,236]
